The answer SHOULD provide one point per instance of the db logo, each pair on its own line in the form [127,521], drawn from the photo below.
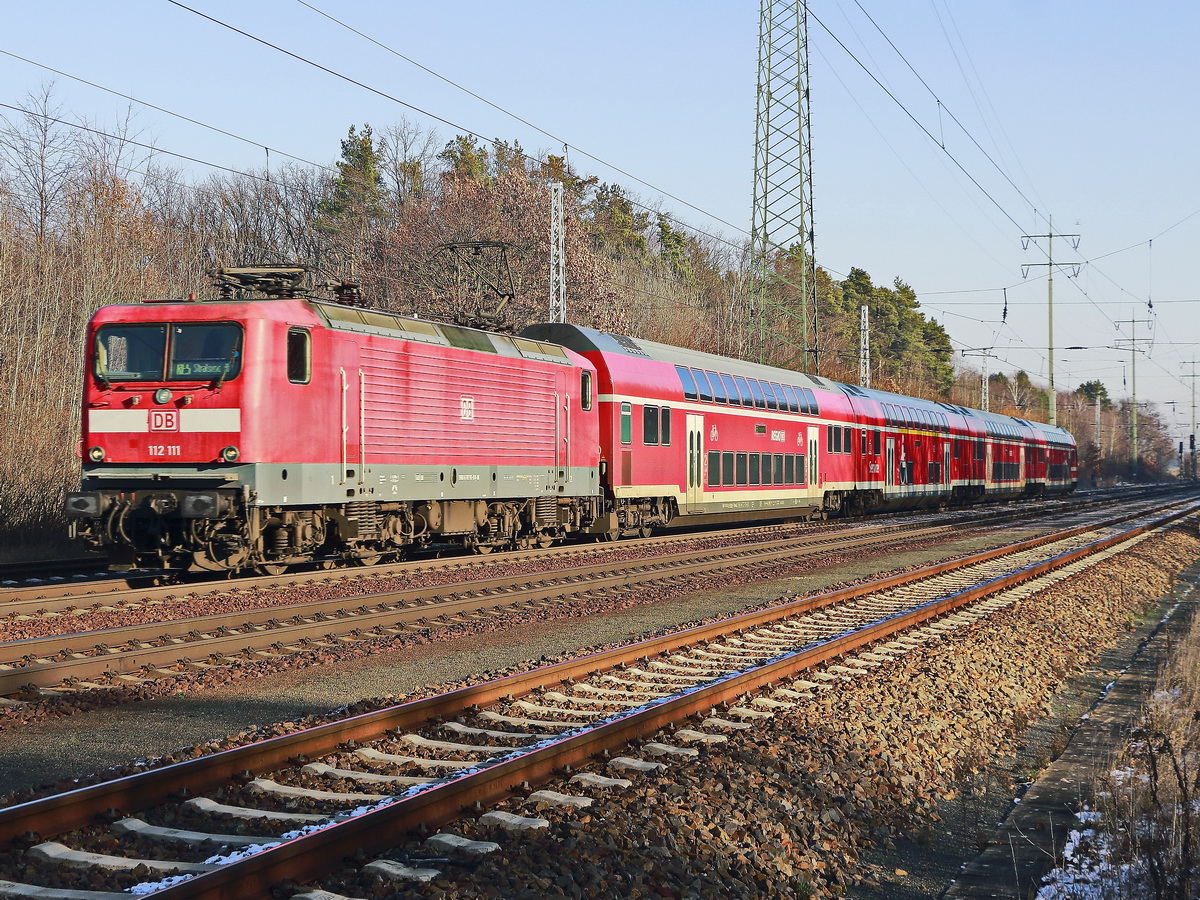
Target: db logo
[466,408]
[164,420]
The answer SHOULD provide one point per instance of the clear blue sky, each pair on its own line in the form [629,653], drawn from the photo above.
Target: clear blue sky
[1086,111]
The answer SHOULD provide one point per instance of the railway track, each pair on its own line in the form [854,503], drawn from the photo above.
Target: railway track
[71,660]
[16,574]
[161,649]
[385,784]
[62,580]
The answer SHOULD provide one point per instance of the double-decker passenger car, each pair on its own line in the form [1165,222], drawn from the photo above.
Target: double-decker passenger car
[689,435]
[260,433]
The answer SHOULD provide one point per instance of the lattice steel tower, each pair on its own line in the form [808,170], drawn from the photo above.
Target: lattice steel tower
[782,217]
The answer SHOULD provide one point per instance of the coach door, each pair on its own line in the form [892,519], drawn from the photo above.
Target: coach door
[695,462]
[814,442]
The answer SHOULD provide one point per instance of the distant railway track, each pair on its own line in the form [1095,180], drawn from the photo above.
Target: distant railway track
[70,659]
[413,769]
[57,580]
[73,662]
[13,573]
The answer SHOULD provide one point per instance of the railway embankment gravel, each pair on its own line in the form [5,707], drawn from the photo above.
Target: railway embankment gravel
[811,802]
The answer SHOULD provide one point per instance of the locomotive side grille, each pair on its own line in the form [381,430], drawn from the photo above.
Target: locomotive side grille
[547,510]
[365,514]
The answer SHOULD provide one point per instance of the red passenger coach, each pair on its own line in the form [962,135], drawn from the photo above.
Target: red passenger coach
[697,437]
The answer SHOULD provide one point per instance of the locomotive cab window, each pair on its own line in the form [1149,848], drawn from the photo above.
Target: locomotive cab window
[207,351]
[299,356]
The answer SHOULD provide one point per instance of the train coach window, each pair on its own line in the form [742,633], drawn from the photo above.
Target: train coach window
[768,394]
[777,468]
[813,408]
[626,423]
[650,426]
[799,468]
[664,435]
[585,390]
[754,470]
[731,390]
[702,384]
[299,356]
[727,468]
[742,466]
[718,387]
[743,390]
[789,469]
[793,403]
[875,448]
[688,382]
[848,439]
[714,468]
[755,389]
[780,396]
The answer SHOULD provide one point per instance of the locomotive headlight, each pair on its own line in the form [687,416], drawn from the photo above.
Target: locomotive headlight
[230,454]
[96,454]
[163,395]
[83,503]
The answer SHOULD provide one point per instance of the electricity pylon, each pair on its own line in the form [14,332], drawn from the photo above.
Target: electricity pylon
[782,217]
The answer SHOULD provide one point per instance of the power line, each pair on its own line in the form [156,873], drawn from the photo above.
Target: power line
[161,109]
[468,131]
[908,113]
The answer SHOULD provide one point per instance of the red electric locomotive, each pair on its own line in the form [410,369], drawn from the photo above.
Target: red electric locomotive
[243,433]
[260,433]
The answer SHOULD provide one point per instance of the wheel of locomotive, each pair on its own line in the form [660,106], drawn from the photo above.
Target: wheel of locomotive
[607,537]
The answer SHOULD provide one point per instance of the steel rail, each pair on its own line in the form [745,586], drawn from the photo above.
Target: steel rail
[77,808]
[314,855]
[93,654]
[60,595]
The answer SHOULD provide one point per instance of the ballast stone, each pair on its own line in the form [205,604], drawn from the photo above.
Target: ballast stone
[394,871]
[511,822]
[553,798]
[447,842]
[600,781]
